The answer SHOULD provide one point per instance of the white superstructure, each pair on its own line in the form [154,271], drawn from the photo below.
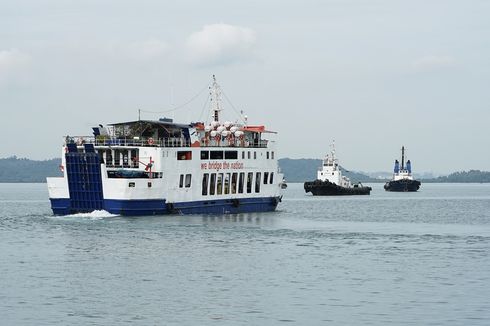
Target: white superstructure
[330,170]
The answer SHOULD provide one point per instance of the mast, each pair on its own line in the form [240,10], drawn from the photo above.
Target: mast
[403,157]
[215,93]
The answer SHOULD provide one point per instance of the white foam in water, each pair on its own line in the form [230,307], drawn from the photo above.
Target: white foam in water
[95,215]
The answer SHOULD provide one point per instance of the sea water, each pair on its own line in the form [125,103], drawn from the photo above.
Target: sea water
[385,259]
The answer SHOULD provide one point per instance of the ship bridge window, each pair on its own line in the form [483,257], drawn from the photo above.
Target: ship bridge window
[272,155]
[205,179]
[231,155]
[212,184]
[233,182]
[250,177]
[188,180]
[266,177]
[204,155]
[241,182]
[227,183]
[255,155]
[184,155]
[219,186]
[271,180]
[267,155]
[257,182]
[216,155]
[243,155]
[181,181]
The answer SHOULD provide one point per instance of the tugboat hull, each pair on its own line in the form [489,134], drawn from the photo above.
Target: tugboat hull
[404,185]
[326,188]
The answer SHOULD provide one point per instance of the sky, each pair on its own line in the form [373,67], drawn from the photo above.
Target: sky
[372,75]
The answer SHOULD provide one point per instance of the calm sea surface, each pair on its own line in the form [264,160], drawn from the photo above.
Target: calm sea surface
[386,259]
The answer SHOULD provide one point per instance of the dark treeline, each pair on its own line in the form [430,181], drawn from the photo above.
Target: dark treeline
[13,169]
[463,176]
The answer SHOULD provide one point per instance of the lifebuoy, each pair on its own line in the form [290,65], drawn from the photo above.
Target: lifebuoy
[150,141]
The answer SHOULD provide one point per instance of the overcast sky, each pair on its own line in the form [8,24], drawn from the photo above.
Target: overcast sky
[372,74]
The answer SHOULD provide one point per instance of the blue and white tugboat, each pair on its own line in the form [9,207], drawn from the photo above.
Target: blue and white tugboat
[147,167]
[403,180]
[331,182]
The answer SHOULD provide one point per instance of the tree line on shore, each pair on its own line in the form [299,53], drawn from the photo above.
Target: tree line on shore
[14,169]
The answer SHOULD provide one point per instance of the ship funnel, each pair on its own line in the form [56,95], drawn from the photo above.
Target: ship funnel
[396,169]
[409,166]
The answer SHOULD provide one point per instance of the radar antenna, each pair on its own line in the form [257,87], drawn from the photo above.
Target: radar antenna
[216,99]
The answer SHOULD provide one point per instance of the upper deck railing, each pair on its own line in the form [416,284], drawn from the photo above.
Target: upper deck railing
[162,142]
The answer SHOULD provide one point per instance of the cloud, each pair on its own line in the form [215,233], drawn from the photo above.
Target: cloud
[220,44]
[433,63]
[14,65]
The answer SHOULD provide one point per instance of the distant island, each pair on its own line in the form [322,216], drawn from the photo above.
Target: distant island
[14,169]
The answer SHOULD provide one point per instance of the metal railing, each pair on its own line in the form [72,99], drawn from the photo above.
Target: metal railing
[162,142]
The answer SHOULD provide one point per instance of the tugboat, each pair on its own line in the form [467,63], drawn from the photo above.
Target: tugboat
[330,181]
[402,177]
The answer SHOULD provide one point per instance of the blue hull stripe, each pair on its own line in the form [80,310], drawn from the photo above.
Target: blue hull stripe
[62,206]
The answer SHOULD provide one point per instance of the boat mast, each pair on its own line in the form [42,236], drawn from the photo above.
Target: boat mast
[403,158]
[215,93]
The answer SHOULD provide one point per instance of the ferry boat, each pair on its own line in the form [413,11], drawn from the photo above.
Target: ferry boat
[403,180]
[148,167]
[331,182]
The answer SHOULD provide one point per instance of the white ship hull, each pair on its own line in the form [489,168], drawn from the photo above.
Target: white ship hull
[249,183]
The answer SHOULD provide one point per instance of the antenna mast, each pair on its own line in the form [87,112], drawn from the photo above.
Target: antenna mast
[216,99]
[403,157]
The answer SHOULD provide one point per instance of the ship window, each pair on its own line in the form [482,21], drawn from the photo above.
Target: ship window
[271,180]
[149,184]
[248,155]
[212,184]
[125,159]
[188,180]
[243,155]
[267,155]
[181,181]
[204,155]
[231,155]
[184,155]
[205,178]
[100,153]
[227,183]
[257,182]
[240,182]
[134,158]
[255,155]
[266,177]
[219,185]
[131,185]
[117,157]
[108,157]
[250,177]
[233,182]
[272,155]
[216,155]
